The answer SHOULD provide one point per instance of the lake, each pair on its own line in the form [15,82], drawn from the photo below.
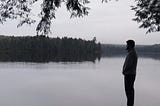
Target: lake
[77,83]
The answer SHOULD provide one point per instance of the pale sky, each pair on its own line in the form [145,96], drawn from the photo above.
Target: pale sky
[110,23]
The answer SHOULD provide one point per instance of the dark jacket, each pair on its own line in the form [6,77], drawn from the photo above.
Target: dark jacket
[130,64]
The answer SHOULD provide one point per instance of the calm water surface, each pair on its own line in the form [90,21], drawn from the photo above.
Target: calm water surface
[77,84]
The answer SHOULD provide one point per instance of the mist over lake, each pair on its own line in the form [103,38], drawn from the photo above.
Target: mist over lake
[77,83]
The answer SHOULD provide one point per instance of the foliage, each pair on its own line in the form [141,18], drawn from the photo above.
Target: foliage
[14,9]
[148,14]
[44,49]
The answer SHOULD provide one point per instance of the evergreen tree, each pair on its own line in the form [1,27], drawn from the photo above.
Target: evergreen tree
[43,49]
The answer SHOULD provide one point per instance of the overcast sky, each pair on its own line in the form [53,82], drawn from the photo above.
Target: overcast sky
[110,23]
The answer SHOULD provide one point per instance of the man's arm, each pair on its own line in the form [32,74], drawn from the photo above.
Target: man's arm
[128,63]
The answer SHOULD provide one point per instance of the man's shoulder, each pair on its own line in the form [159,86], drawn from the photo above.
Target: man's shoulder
[132,53]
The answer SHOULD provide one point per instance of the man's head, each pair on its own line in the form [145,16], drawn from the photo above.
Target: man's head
[130,44]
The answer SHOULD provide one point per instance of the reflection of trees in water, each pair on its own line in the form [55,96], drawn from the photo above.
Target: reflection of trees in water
[153,56]
[147,55]
[8,57]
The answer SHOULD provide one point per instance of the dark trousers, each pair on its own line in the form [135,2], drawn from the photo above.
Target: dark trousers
[129,89]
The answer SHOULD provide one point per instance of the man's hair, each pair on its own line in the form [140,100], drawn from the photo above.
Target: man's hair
[131,43]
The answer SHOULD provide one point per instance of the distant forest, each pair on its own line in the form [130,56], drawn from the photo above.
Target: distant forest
[45,49]
[109,50]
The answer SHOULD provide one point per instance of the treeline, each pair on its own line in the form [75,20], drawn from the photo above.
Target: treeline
[110,50]
[148,49]
[45,49]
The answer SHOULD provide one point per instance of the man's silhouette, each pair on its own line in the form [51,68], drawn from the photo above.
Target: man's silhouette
[129,72]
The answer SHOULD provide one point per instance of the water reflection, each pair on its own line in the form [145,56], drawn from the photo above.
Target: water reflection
[4,57]
[76,83]
[155,56]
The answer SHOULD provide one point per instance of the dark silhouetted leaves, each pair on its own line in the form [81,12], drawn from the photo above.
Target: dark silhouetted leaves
[148,14]
[21,9]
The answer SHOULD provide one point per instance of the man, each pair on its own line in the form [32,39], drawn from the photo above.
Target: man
[129,72]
